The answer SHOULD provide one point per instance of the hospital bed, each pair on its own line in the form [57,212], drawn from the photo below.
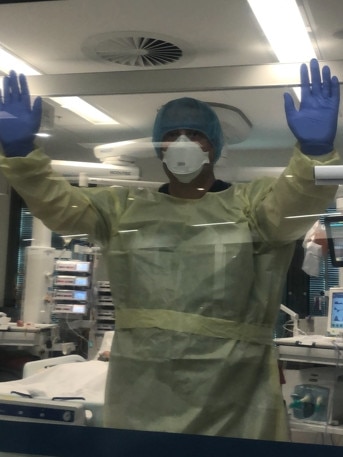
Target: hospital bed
[67,389]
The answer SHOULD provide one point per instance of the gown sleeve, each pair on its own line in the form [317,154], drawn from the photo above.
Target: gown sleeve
[272,206]
[283,209]
[63,208]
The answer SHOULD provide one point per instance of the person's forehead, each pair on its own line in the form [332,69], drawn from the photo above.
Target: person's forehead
[180,130]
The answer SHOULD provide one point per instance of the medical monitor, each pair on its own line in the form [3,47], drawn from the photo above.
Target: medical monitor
[335,312]
[334,233]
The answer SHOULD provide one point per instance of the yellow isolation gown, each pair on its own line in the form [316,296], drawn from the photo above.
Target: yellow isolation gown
[197,286]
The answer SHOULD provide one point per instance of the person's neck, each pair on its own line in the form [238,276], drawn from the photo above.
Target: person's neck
[193,190]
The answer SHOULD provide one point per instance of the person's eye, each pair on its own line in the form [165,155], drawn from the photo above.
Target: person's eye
[200,135]
[171,136]
[193,134]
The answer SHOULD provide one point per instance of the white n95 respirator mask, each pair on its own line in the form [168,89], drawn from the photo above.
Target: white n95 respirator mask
[185,159]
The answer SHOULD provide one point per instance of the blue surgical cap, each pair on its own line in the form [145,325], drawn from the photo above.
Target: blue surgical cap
[188,113]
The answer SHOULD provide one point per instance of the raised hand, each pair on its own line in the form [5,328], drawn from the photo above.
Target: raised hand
[18,121]
[315,123]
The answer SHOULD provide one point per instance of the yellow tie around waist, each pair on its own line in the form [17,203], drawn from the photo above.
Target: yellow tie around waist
[193,323]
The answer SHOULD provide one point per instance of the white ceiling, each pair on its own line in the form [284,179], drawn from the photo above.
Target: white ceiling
[226,59]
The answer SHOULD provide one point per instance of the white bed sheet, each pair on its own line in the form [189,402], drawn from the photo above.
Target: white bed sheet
[79,379]
[81,382]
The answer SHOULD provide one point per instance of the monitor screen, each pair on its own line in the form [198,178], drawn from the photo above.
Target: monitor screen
[81,295]
[81,281]
[335,311]
[79,309]
[334,233]
[83,267]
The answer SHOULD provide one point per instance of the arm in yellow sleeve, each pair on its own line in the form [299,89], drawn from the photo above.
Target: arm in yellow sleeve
[51,198]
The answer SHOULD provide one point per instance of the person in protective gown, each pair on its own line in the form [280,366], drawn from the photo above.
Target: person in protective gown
[197,269]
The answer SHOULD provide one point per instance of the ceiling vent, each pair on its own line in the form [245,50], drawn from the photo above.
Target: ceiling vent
[133,49]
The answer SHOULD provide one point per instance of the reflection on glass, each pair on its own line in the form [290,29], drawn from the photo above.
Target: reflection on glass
[197,277]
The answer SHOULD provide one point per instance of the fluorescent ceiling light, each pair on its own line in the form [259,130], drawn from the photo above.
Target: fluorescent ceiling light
[67,165]
[9,61]
[85,110]
[284,28]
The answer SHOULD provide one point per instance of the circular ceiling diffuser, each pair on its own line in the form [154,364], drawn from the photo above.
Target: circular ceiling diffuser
[135,49]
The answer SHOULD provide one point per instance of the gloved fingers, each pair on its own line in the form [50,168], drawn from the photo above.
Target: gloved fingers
[37,112]
[25,93]
[315,77]
[7,90]
[289,104]
[335,89]
[11,88]
[326,82]
[305,82]
[330,87]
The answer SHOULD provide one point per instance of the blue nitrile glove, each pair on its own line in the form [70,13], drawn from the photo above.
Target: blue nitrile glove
[18,122]
[315,123]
